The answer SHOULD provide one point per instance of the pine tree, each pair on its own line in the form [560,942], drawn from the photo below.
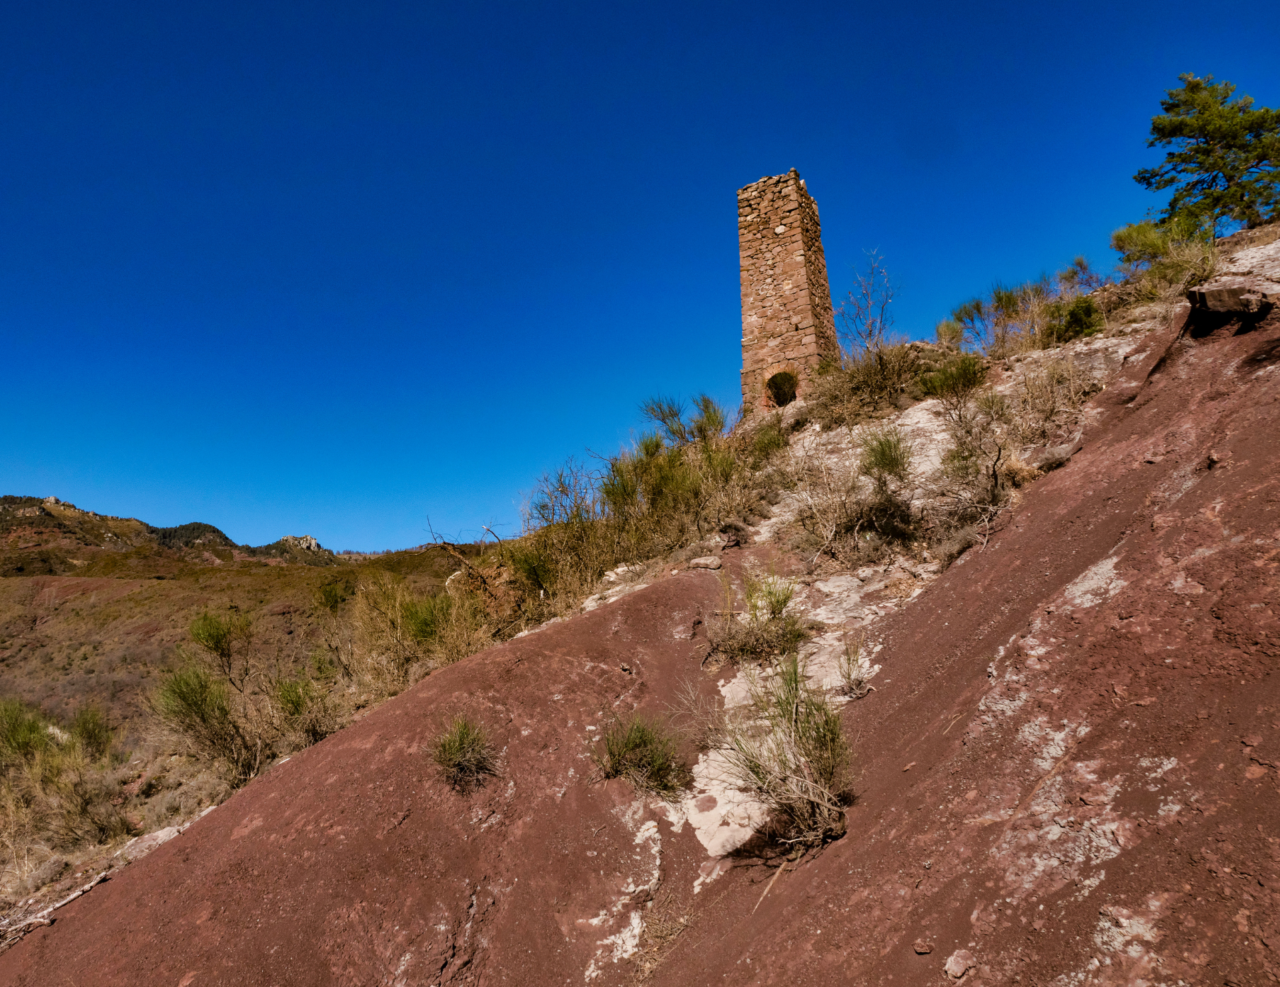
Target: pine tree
[1224,162]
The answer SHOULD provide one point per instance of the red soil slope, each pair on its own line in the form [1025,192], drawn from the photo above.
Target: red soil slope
[1068,769]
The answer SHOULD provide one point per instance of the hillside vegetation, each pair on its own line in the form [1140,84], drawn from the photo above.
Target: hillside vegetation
[148,672]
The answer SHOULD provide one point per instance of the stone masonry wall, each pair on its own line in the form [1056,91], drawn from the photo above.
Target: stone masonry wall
[787,320]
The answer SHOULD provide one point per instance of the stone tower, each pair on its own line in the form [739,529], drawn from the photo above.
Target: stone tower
[787,322]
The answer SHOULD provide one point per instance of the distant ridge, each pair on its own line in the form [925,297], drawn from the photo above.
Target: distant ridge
[47,536]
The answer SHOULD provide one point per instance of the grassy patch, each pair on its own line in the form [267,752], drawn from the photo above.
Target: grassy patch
[197,706]
[644,753]
[787,748]
[58,791]
[764,629]
[464,754]
[688,478]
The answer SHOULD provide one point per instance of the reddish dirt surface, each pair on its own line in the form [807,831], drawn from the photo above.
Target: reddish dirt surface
[1068,769]
[352,863]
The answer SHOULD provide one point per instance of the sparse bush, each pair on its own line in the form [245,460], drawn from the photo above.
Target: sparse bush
[697,716]
[306,715]
[644,753]
[226,642]
[464,754]
[865,317]
[685,480]
[56,792]
[849,509]
[1045,393]
[993,405]
[449,626]
[949,333]
[954,544]
[764,629]
[23,732]
[832,505]
[955,383]
[976,464]
[81,799]
[852,669]
[886,456]
[384,646]
[1037,314]
[787,749]
[767,439]
[197,706]
[91,730]
[863,383]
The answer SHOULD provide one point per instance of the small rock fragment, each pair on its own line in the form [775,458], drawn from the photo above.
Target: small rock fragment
[959,963]
[706,562]
[921,947]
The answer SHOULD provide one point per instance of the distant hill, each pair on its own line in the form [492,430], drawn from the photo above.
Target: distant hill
[45,536]
[93,607]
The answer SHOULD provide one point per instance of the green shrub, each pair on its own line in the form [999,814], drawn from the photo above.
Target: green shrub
[426,617]
[886,456]
[91,730]
[1072,319]
[949,333]
[55,792]
[1142,244]
[214,633]
[464,754]
[765,630]
[197,706]
[955,382]
[787,748]
[193,700]
[294,696]
[331,595]
[1161,261]
[23,732]
[767,439]
[645,754]
[304,710]
[226,641]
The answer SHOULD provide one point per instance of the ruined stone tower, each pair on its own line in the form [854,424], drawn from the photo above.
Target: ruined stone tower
[787,321]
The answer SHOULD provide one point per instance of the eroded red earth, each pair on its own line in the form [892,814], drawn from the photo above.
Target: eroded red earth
[1067,772]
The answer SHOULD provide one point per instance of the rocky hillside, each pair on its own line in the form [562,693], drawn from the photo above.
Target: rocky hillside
[1067,750]
[41,537]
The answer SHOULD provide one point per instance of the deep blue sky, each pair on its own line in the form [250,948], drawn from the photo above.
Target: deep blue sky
[335,268]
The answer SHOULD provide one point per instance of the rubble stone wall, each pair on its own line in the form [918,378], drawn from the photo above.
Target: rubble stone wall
[787,319]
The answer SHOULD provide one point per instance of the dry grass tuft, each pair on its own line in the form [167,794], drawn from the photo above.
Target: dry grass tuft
[644,753]
[664,921]
[788,750]
[465,755]
[765,629]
